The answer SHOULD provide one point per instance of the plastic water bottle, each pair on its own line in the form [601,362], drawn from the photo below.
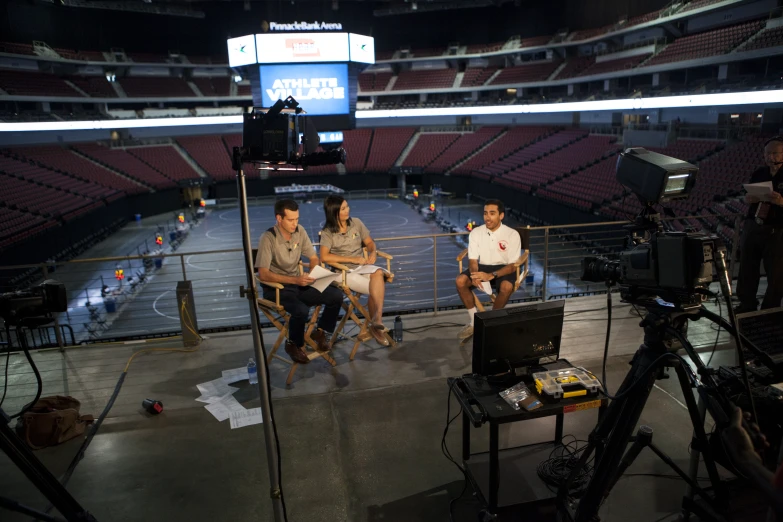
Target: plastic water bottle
[252,372]
[398,329]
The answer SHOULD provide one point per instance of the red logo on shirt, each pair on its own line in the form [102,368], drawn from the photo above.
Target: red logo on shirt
[502,245]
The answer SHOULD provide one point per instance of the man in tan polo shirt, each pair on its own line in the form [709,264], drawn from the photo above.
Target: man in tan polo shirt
[279,251]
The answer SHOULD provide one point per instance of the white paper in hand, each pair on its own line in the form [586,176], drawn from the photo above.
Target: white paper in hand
[323,277]
[486,287]
[240,419]
[760,190]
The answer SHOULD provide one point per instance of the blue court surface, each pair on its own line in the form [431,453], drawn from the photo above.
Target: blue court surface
[217,273]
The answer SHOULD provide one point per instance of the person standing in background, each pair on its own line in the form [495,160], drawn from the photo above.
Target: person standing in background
[762,235]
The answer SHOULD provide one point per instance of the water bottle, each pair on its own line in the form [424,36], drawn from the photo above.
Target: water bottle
[252,372]
[398,329]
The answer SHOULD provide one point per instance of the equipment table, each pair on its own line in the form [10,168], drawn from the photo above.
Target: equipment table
[516,481]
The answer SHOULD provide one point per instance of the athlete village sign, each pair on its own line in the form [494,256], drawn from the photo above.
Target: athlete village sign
[301,26]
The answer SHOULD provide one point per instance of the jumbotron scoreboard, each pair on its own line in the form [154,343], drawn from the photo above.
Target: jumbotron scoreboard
[320,70]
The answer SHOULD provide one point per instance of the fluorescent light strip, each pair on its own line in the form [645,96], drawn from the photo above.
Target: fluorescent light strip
[119,124]
[663,102]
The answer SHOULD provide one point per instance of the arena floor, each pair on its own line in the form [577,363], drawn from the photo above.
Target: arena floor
[217,276]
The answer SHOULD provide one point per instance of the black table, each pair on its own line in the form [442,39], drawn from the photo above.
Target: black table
[520,482]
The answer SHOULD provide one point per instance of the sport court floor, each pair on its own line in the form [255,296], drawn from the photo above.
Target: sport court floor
[216,277]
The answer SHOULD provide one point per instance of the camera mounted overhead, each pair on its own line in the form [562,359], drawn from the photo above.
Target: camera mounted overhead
[271,137]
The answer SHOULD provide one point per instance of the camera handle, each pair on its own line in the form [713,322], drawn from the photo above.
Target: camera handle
[725,285]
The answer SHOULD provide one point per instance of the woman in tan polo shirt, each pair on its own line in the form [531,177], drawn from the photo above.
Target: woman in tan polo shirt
[342,240]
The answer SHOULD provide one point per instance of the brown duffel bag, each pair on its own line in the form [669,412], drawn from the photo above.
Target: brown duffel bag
[52,421]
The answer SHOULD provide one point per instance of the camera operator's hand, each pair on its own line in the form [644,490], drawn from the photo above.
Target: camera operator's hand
[776,199]
[304,280]
[739,442]
[750,200]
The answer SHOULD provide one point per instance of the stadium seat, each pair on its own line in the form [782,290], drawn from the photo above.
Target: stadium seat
[428,147]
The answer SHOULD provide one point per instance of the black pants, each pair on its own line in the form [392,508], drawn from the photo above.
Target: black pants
[760,243]
[297,301]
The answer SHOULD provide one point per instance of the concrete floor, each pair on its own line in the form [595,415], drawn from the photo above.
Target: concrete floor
[360,441]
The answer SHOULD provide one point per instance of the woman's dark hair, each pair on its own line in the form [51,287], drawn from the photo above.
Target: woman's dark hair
[332,206]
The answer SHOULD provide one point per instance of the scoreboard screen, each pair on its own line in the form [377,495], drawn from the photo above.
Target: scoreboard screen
[321,89]
[302,47]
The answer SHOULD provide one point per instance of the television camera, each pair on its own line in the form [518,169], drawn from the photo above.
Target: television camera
[674,266]
[668,273]
[36,302]
[271,136]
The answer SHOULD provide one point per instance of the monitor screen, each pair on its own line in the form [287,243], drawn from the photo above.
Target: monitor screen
[516,337]
[676,183]
[302,47]
[320,89]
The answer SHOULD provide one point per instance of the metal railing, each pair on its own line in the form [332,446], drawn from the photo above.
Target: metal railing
[145,304]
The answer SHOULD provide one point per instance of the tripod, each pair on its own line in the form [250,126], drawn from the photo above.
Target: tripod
[28,463]
[41,478]
[613,432]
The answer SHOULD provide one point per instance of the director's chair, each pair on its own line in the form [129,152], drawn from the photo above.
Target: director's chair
[354,305]
[279,318]
[522,267]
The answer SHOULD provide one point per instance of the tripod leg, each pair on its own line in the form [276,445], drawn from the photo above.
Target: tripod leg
[39,475]
[643,439]
[721,492]
[695,460]
[621,423]
[607,420]
[13,505]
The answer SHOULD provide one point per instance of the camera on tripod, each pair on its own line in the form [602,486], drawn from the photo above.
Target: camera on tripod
[676,266]
[36,302]
[271,136]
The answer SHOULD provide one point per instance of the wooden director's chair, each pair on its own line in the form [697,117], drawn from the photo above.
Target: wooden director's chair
[522,267]
[354,304]
[277,315]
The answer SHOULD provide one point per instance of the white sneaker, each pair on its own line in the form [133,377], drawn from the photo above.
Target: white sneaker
[466,333]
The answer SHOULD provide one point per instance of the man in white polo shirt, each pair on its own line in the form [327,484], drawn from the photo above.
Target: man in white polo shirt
[492,250]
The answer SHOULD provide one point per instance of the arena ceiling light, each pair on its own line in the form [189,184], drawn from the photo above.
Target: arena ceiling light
[119,124]
[627,104]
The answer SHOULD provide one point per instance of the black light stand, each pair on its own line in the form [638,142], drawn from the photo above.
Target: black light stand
[251,293]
